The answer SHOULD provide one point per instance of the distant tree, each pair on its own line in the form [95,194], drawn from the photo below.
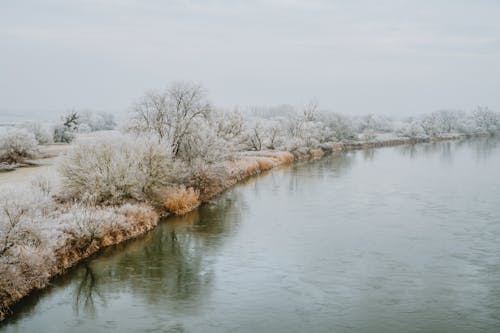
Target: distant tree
[255,136]
[70,120]
[485,121]
[64,132]
[310,110]
[91,121]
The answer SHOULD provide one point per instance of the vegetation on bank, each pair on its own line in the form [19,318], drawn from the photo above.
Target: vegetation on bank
[176,152]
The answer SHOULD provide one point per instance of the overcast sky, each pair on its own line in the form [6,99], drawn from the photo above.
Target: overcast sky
[357,56]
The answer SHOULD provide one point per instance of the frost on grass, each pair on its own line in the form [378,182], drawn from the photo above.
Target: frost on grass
[178,151]
[40,236]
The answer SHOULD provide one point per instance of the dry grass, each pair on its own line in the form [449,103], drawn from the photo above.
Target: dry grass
[243,167]
[33,268]
[181,199]
[282,157]
[316,153]
[266,163]
[252,163]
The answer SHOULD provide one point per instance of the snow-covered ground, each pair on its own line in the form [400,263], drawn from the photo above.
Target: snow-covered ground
[22,176]
[46,164]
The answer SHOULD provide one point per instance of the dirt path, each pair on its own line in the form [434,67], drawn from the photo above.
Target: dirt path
[43,166]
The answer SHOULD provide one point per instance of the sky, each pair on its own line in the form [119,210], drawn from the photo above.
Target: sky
[353,57]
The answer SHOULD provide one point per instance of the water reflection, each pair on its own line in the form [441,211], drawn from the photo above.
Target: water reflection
[483,147]
[87,291]
[173,264]
[390,240]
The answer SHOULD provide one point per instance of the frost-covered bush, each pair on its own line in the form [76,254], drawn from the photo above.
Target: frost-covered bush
[63,134]
[373,123]
[339,127]
[410,128]
[228,126]
[89,121]
[115,168]
[21,210]
[65,131]
[254,136]
[208,179]
[42,132]
[84,128]
[203,144]
[88,221]
[17,145]
[484,121]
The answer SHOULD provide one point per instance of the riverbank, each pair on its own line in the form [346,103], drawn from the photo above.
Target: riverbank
[19,278]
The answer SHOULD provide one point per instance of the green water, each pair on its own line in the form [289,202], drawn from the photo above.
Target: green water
[402,239]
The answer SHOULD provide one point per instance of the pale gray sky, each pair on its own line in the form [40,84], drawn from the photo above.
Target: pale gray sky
[357,56]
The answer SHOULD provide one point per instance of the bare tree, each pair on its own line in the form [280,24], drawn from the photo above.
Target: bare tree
[255,136]
[171,114]
[485,120]
[227,125]
[310,110]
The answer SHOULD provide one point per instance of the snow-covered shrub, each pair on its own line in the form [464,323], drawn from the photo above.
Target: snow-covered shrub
[89,121]
[21,210]
[65,132]
[409,128]
[338,127]
[114,168]
[89,222]
[228,126]
[371,122]
[254,136]
[17,145]
[42,132]
[84,128]
[201,143]
[368,135]
[208,179]
[484,121]
[49,183]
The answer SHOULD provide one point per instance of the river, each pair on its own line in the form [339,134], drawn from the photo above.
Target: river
[400,239]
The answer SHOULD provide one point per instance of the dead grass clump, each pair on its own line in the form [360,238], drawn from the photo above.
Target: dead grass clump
[316,153]
[266,163]
[300,154]
[181,199]
[30,270]
[138,219]
[244,167]
[282,157]
[285,157]
[210,180]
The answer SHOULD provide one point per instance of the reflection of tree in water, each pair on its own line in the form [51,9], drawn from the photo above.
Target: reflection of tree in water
[369,154]
[171,266]
[308,174]
[86,291]
[408,150]
[483,147]
[444,149]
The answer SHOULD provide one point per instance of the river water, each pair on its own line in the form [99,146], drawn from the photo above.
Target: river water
[401,239]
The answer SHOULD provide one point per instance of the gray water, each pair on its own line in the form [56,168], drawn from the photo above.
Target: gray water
[402,239]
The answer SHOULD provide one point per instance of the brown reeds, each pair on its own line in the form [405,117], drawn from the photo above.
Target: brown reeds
[180,199]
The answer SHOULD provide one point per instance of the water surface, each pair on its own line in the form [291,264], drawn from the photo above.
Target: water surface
[402,239]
